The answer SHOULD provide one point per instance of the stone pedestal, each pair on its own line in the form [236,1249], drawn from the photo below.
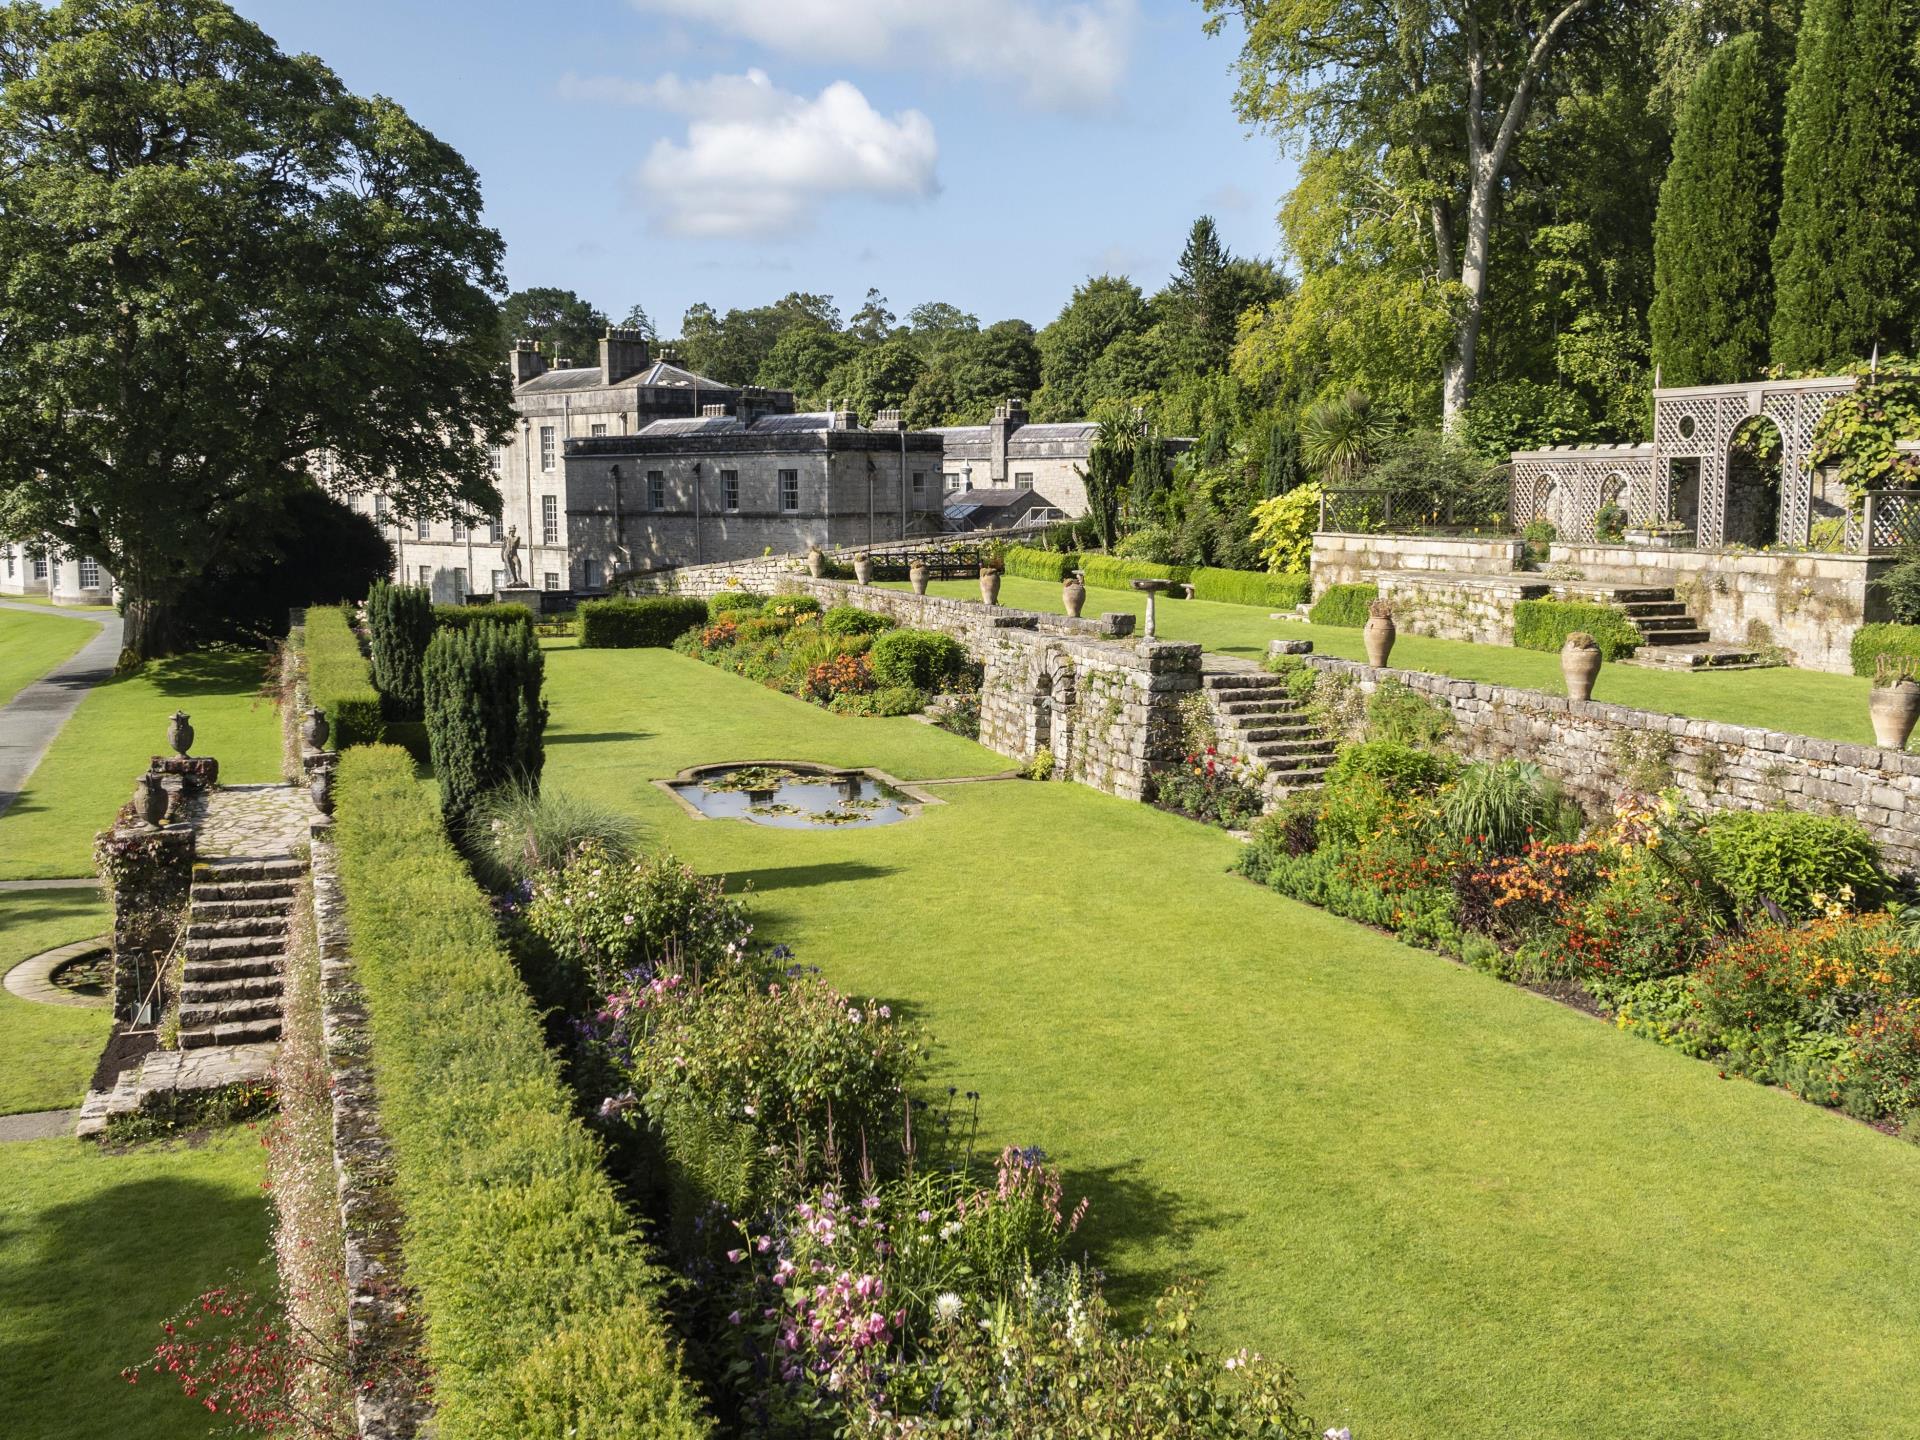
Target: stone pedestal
[149,871]
[525,595]
[1289,647]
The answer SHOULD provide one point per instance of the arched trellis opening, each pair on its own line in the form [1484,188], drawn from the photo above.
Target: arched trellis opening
[1754,459]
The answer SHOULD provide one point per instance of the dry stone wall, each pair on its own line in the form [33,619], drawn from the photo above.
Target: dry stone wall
[1343,559]
[1457,607]
[1600,751]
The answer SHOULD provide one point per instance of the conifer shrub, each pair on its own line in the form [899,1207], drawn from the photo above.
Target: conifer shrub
[399,626]
[485,718]
[339,680]
[657,621]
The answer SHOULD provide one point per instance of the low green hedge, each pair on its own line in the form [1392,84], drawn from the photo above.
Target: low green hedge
[1545,625]
[465,617]
[658,620]
[339,679]
[1250,587]
[1030,564]
[1227,587]
[736,602]
[542,1314]
[1112,574]
[1870,642]
[1344,605]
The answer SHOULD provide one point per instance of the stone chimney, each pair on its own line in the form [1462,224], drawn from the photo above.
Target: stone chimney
[622,353]
[843,420]
[756,402]
[888,420]
[715,412]
[524,361]
[1008,416]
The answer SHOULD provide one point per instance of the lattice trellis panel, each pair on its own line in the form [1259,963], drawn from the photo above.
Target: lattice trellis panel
[1894,521]
[1797,412]
[1570,491]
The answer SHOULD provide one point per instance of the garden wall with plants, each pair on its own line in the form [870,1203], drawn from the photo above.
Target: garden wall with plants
[1600,751]
[1458,607]
[1341,559]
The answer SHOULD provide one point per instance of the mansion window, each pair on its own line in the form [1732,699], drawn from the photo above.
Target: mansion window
[597,429]
[459,529]
[426,577]
[460,585]
[1023,479]
[546,447]
[89,573]
[40,567]
[656,490]
[953,484]
[790,491]
[10,562]
[379,507]
[590,574]
[919,485]
[499,581]
[549,520]
[422,528]
[551,579]
[493,531]
[730,489]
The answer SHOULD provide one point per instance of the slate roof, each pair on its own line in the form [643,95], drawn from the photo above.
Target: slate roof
[730,425]
[587,377]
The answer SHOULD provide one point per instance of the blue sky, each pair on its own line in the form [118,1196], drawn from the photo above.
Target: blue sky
[990,153]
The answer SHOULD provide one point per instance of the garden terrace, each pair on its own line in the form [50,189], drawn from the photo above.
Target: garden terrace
[1453,1206]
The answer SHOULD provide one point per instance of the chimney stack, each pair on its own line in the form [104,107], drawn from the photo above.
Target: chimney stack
[1008,416]
[622,353]
[888,420]
[524,361]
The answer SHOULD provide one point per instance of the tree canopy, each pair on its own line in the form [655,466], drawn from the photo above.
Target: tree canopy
[559,322]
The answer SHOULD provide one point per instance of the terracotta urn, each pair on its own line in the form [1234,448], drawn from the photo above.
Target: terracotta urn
[863,569]
[1073,593]
[1379,633]
[150,799]
[1580,664]
[180,733]
[917,576]
[1894,709]
[315,730]
[989,586]
[816,562]
[321,789]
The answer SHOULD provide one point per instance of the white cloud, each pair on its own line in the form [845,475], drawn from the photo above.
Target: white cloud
[758,159]
[1056,56]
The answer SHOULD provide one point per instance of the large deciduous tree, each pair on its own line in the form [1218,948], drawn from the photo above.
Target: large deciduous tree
[223,277]
[559,322]
[1846,258]
[1433,95]
[1713,286]
[1101,311]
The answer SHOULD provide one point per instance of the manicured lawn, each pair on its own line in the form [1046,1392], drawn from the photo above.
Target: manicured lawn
[1456,1208]
[47,1052]
[1833,707]
[47,604]
[89,772]
[96,1250]
[31,645]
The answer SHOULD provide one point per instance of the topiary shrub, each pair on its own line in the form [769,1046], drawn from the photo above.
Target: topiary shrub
[845,620]
[921,659]
[399,625]
[1344,605]
[464,617]
[657,620]
[1546,624]
[339,680]
[1790,857]
[485,718]
[1870,642]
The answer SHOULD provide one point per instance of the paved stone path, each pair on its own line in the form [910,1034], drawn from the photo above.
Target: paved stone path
[9,886]
[31,720]
[37,1125]
[32,978]
[252,820]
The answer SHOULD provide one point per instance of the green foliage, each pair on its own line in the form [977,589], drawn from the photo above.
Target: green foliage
[1032,564]
[1870,642]
[1339,436]
[1397,712]
[917,659]
[893,700]
[542,1305]
[465,617]
[1521,414]
[845,620]
[1344,605]
[1429,473]
[560,324]
[1283,528]
[339,680]
[1545,625]
[519,832]
[1788,857]
[1713,290]
[1845,263]
[1502,807]
[1103,310]
[485,718]
[1859,434]
[737,603]
[1901,587]
[1370,782]
[656,620]
[399,625]
[1250,587]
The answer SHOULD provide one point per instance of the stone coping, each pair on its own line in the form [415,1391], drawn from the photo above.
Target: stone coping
[1447,579]
[32,978]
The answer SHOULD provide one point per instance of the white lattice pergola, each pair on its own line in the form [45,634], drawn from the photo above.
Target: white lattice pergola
[1568,484]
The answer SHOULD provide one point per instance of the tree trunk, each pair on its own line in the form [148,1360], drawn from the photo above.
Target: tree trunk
[149,628]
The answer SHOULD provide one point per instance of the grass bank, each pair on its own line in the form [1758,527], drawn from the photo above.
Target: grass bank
[1457,1208]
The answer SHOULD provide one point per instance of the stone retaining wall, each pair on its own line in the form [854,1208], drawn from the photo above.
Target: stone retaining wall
[1457,607]
[1600,751]
[764,572]
[1343,559]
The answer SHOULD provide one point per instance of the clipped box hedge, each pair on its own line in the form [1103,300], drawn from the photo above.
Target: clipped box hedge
[657,620]
[1344,605]
[1545,625]
[465,617]
[1250,587]
[339,679]
[1870,642]
[1031,564]
[1226,587]
[542,1305]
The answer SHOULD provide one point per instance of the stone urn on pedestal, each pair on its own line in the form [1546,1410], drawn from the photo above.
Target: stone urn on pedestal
[320,787]
[816,562]
[993,560]
[1894,705]
[917,576]
[180,733]
[863,569]
[1073,592]
[1580,664]
[315,730]
[1379,633]
[150,799]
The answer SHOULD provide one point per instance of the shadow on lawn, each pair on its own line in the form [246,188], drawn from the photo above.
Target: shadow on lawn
[85,1285]
[1142,1234]
[594,737]
[208,672]
[34,907]
[795,877]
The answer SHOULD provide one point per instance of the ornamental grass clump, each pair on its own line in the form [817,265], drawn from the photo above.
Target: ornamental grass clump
[519,832]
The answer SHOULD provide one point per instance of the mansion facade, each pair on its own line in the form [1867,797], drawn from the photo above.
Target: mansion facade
[43,568]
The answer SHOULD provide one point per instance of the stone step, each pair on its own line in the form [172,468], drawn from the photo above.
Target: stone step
[252,1032]
[1291,757]
[1694,636]
[1303,778]
[1654,609]
[235,967]
[236,947]
[241,909]
[1701,655]
[197,991]
[228,929]
[229,1012]
[1639,595]
[249,867]
[1240,680]
[242,890]
[1264,705]
[1654,624]
[1253,735]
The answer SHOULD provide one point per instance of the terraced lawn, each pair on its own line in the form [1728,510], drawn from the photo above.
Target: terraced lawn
[47,1052]
[88,774]
[1806,702]
[31,645]
[1456,1208]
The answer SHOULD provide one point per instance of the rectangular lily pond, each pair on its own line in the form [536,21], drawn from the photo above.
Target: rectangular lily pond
[794,795]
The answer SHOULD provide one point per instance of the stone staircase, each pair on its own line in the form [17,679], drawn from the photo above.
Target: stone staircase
[1670,638]
[1257,719]
[236,939]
